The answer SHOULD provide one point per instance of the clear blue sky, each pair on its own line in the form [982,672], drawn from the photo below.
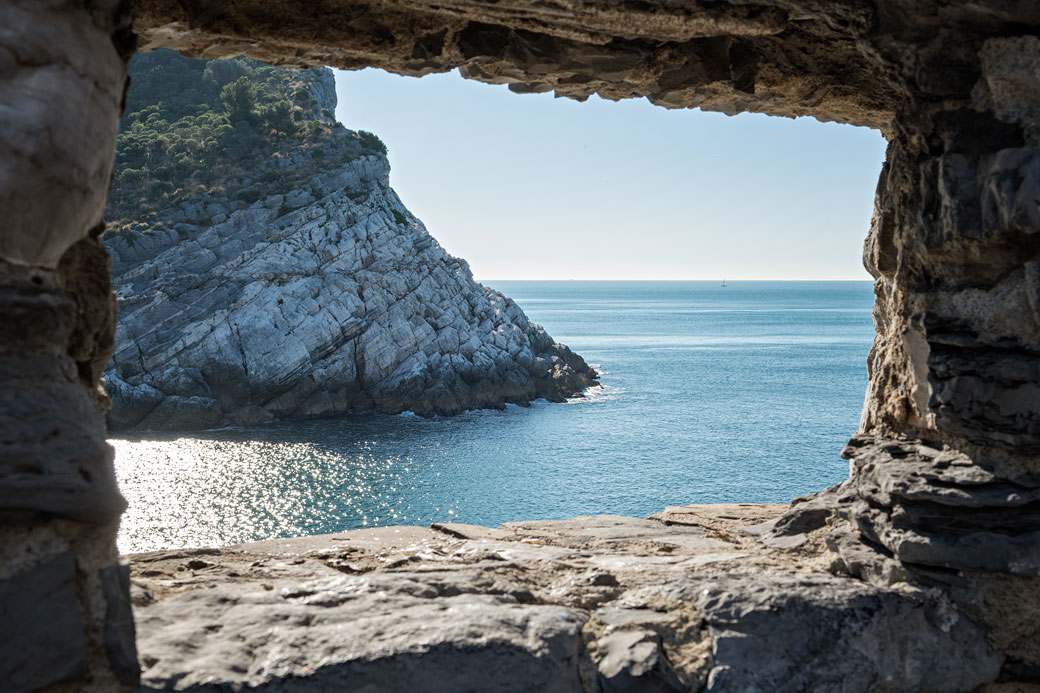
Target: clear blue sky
[532,187]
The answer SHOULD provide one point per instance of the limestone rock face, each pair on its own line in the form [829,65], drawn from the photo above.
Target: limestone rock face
[326,299]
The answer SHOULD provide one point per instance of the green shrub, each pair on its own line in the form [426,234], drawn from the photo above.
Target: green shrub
[370,141]
[239,99]
[194,127]
[278,117]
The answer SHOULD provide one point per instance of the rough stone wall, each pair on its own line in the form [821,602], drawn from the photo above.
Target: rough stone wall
[65,618]
[945,469]
[775,57]
[954,245]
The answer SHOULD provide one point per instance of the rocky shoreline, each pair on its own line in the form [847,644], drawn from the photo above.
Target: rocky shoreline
[700,597]
[317,301]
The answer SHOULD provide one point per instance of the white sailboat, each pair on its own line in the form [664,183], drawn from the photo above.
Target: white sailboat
[723,281]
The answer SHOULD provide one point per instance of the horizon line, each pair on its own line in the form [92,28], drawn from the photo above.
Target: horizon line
[719,279]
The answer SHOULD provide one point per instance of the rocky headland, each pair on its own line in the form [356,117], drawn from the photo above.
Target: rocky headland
[304,287]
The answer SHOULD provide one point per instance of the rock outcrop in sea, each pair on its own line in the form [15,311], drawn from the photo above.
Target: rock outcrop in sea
[326,298]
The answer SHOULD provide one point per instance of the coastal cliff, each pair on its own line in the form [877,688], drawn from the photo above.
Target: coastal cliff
[298,285]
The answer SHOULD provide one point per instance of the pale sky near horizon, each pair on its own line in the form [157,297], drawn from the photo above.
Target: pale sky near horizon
[532,187]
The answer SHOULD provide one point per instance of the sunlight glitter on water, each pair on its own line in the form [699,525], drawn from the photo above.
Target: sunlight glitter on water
[210,492]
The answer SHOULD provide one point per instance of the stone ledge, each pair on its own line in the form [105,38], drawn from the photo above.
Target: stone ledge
[689,599]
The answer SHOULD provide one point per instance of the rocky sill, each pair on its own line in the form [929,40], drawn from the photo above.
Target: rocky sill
[700,597]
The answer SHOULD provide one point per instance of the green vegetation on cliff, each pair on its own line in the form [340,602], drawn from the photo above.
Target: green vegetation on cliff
[203,129]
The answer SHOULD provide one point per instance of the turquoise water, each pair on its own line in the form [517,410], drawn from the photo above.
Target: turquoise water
[710,394]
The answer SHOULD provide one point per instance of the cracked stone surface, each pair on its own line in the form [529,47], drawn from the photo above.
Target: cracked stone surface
[689,600]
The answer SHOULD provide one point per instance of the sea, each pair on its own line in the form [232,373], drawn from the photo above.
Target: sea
[709,393]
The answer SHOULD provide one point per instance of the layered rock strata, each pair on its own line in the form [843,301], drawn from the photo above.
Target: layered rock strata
[690,599]
[316,301]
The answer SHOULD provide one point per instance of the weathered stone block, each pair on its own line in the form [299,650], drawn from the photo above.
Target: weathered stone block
[42,640]
[55,459]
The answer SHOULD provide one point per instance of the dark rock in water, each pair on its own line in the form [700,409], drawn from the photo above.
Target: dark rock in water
[319,300]
[183,413]
[130,404]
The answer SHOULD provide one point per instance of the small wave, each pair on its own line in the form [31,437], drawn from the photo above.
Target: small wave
[409,415]
[492,412]
[597,393]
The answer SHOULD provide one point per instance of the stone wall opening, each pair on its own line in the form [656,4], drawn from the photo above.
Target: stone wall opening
[152,383]
[944,490]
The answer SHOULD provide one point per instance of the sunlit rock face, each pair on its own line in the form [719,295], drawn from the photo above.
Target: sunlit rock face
[319,300]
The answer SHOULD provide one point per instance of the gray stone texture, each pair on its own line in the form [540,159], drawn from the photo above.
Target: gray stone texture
[55,460]
[119,635]
[62,77]
[42,640]
[599,603]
